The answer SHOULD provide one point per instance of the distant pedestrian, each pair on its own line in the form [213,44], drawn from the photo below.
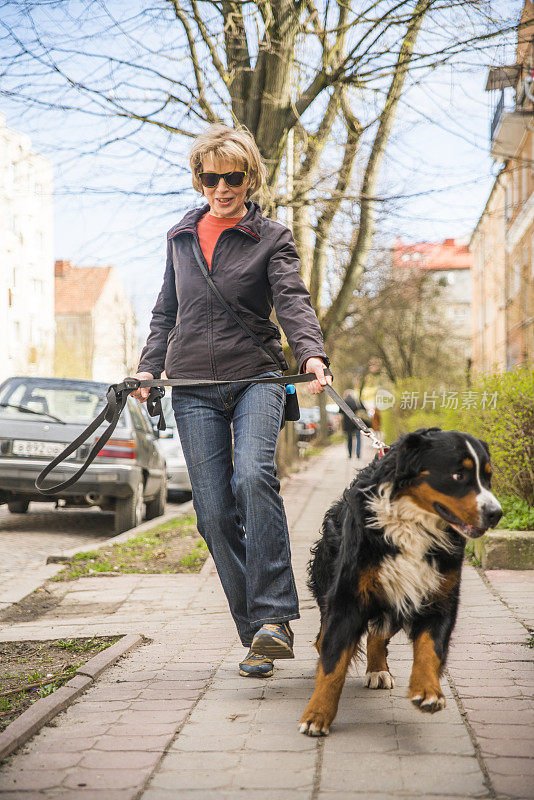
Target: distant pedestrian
[349,427]
[254,265]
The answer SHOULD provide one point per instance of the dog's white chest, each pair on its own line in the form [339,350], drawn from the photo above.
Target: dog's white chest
[408,578]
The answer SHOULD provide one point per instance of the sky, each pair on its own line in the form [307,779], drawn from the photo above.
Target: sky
[437,164]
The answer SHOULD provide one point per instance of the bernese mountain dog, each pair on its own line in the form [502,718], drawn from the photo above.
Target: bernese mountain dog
[390,558]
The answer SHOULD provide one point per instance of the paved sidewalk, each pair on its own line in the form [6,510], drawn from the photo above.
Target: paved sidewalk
[174,720]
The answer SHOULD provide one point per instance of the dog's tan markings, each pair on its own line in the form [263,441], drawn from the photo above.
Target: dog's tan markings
[377,674]
[324,701]
[468,463]
[487,467]
[425,690]
[465,508]
[369,584]
[318,640]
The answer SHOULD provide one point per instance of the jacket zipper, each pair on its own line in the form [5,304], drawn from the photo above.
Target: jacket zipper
[211,349]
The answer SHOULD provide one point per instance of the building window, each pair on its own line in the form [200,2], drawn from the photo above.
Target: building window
[508,202]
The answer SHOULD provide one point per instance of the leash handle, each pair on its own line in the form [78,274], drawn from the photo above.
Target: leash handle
[117,397]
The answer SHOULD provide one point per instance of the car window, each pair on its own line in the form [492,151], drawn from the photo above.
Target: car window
[69,401]
[137,417]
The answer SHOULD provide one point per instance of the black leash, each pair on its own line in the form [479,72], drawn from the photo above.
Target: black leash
[117,397]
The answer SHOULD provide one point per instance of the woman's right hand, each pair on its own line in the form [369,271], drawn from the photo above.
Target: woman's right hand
[142,394]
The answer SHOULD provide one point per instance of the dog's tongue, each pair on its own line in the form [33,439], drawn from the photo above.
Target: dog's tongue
[470,530]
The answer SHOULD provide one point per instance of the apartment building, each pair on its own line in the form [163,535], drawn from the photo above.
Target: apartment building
[449,263]
[26,258]
[95,324]
[503,240]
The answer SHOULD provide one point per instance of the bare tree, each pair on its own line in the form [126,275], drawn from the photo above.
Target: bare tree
[330,73]
[400,319]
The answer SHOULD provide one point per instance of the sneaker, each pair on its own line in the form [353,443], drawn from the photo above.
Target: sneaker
[256,666]
[274,641]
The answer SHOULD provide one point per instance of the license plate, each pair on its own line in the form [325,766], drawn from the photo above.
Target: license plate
[47,449]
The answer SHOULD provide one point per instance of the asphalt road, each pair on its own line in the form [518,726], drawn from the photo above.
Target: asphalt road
[27,539]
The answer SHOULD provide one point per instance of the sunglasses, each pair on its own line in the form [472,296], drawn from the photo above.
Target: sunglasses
[211,179]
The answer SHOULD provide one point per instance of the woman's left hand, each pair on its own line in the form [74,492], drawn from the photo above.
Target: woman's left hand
[317,366]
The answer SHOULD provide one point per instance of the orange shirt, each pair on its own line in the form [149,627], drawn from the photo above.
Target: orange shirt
[209,229]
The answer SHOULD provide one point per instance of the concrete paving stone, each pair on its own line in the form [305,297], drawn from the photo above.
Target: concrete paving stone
[82,730]
[24,795]
[157,705]
[209,743]
[169,694]
[282,762]
[247,780]
[171,716]
[47,760]
[90,794]
[16,779]
[501,715]
[511,766]
[81,715]
[142,727]
[176,761]
[106,779]
[516,786]
[366,775]
[191,779]
[126,759]
[106,693]
[291,742]
[502,731]
[144,743]
[62,744]
[428,773]
[517,747]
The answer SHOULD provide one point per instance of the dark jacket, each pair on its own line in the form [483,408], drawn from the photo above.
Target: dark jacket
[254,264]
[359,409]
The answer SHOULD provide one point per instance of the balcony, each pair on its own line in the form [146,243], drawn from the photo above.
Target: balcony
[507,129]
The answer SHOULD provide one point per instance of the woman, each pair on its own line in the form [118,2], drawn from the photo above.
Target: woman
[254,263]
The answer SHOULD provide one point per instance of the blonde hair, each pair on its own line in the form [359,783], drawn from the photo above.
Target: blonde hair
[228,144]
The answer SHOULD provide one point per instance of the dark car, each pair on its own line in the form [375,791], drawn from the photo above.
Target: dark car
[39,416]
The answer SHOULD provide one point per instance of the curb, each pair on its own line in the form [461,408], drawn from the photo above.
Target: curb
[43,710]
[505,549]
[66,556]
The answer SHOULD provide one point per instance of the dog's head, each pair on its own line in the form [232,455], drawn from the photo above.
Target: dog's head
[448,473]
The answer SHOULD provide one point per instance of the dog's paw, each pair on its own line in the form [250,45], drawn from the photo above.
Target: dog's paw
[379,680]
[429,701]
[313,723]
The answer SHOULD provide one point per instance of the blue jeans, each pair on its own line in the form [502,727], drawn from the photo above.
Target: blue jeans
[240,513]
[357,434]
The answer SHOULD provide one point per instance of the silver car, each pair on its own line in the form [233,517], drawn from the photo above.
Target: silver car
[40,416]
[178,483]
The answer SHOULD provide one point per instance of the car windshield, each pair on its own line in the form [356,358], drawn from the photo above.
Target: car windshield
[74,402]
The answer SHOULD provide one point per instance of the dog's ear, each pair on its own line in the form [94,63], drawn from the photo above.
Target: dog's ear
[485,445]
[409,456]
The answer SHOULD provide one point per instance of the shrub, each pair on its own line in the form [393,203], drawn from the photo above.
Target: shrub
[497,408]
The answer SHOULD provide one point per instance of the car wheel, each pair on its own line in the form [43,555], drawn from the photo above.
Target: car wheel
[129,510]
[156,507]
[18,506]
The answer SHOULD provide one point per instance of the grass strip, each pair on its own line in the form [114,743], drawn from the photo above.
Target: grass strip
[172,547]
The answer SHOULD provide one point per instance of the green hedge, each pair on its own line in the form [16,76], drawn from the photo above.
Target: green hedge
[498,408]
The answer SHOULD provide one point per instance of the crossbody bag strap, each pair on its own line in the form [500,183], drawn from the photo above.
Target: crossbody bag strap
[227,306]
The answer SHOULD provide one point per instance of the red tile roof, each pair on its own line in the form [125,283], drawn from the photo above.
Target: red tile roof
[78,288]
[432,255]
